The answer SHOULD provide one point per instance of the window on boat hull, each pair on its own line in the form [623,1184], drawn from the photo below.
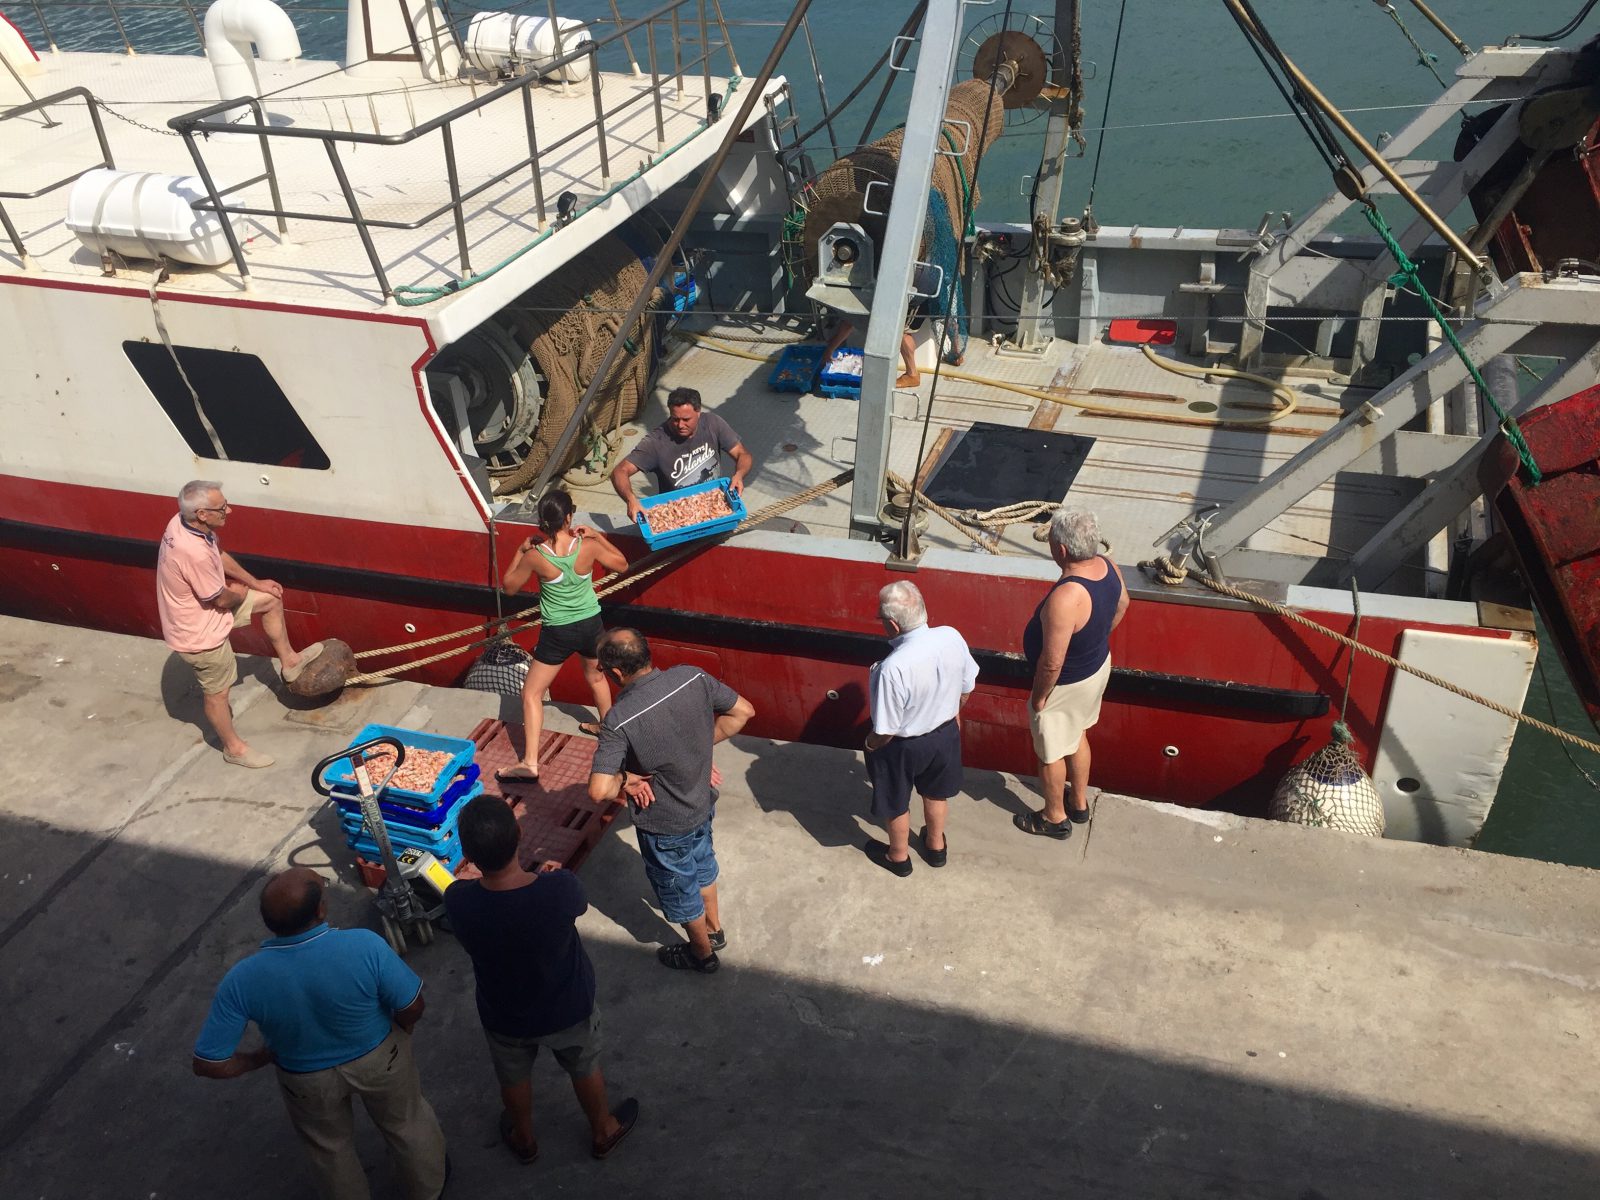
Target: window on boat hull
[251,417]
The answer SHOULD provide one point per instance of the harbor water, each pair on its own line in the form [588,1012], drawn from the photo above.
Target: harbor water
[1194,134]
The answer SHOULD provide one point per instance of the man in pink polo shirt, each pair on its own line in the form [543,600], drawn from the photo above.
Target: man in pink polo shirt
[204,595]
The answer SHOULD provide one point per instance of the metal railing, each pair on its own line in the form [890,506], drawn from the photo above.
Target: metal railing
[205,123]
[41,105]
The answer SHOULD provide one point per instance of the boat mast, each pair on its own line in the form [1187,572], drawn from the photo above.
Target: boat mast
[1035,329]
[902,242]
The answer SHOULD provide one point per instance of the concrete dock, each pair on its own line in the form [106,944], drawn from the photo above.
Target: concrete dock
[1169,1004]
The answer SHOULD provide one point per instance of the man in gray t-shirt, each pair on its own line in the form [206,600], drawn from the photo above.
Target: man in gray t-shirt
[655,748]
[684,449]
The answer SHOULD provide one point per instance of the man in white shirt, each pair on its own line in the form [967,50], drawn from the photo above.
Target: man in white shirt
[916,694]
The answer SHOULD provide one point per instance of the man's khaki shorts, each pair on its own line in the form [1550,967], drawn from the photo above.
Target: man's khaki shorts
[217,668]
[1070,710]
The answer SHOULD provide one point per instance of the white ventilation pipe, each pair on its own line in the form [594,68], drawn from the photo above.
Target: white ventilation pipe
[231,26]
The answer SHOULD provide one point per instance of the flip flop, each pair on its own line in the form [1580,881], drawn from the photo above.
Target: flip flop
[516,773]
[592,728]
[507,1129]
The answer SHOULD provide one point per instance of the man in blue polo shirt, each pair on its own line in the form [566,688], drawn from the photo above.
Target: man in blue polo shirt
[336,1008]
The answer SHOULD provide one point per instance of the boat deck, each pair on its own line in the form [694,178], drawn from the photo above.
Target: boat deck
[1169,1004]
[324,263]
[1144,473]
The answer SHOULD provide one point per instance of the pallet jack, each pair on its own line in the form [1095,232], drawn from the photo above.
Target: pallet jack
[411,898]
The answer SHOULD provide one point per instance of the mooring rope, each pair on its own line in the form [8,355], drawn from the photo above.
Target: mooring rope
[645,568]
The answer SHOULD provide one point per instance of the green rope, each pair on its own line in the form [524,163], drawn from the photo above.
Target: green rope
[1407,274]
[1424,59]
[966,188]
[411,295]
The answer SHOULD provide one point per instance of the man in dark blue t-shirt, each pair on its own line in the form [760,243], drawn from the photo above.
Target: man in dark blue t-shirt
[535,982]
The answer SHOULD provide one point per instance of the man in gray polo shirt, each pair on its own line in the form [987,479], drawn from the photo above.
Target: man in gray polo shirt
[655,747]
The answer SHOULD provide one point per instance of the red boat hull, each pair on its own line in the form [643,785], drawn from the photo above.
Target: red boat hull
[1211,704]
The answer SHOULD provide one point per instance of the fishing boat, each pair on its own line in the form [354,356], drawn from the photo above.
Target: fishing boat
[386,301]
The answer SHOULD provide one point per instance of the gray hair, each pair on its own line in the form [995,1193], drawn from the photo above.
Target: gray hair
[901,603]
[194,495]
[1075,531]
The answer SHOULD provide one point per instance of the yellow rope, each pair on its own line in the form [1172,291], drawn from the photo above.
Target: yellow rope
[643,569]
[1286,395]
[1227,589]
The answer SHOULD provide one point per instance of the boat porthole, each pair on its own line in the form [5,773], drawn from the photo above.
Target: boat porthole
[1202,406]
[410,628]
[832,695]
[55,566]
[1408,785]
[265,481]
[1170,751]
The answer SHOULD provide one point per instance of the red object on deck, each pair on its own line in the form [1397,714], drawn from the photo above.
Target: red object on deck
[1127,332]
[1554,527]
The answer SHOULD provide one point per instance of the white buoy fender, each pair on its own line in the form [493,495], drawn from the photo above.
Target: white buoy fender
[231,26]
[140,214]
[495,38]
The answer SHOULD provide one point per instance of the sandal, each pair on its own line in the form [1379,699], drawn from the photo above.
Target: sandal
[516,773]
[590,728]
[1034,822]
[508,1136]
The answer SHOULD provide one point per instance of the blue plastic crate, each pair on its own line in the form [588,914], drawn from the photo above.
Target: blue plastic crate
[690,532]
[837,383]
[465,788]
[450,854]
[342,776]
[797,367]
[441,838]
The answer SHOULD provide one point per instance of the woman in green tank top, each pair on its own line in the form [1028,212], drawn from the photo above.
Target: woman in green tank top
[564,565]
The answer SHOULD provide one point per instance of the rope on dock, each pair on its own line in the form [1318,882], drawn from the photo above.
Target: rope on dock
[635,573]
[1227,589]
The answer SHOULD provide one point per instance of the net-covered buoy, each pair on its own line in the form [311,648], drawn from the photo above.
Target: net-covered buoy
[502,669]
[1330,790]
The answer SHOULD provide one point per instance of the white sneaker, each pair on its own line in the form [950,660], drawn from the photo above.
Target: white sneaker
[250,758]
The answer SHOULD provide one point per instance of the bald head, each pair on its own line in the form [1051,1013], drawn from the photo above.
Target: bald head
[624,651]
[291,901]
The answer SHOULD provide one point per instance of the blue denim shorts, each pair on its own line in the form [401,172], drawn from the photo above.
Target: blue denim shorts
[678,865]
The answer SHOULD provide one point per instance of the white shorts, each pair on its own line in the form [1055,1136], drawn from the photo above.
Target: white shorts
[1070,710]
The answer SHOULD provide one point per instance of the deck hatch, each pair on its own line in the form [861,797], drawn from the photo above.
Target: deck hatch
[988,466]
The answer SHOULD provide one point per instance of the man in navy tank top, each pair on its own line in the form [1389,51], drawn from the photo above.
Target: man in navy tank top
[1068,645]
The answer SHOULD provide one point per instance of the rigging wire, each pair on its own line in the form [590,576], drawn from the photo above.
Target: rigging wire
[1105,112]
[906,30]
[1424,57]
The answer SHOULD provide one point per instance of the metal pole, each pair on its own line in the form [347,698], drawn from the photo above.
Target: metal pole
[677,50]
[216,206]
[708,177]
[1433,19]
[555,29]
[626,44]
[199,34]
[355,212]
[117,18]
[44,25]
[455,198]
[599,120]
[655,87]
[16,238]
[1310,92]
[705,57]
[266,159]
[1035,326]
[908,207]
[533,153]
[727,40]
[822,94]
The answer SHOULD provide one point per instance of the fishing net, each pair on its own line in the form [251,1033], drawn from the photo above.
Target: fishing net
[567,322]
[974,118]
[1330,790]
[502,668]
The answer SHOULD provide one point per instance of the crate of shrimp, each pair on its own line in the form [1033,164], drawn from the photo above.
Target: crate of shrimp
[697,511]
[841,374]
[432,764]
[797,367]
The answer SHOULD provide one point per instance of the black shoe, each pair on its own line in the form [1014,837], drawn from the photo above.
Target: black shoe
[1078,816]
[1034,822]
[879,853]
[719,940]
[680,957]
[627,1115]
[934,858]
